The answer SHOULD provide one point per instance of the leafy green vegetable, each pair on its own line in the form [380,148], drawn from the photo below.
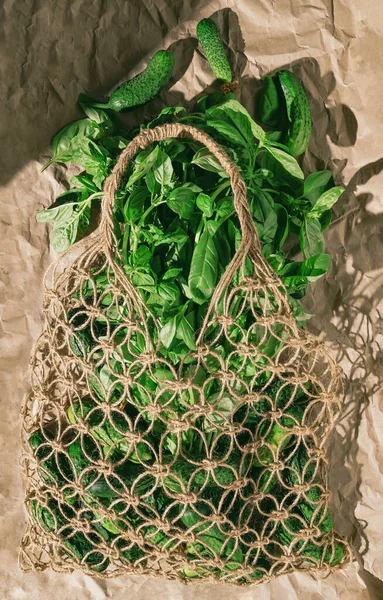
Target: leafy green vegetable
[203,268]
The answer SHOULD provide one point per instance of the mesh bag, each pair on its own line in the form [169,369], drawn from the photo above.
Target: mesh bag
[113,483]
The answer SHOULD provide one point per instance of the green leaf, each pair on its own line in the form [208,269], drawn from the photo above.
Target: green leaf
[264,212]
[325,219]
[144,161]
[65,141]
[182,201]
[83,182]
[326,201]
[296,275]
[316,184]
[169,292]
[228,131]
[185,330]
[70,217]
[212,227]
[204,159]
[225,207]
[168,332]
[92,157]
[203,268]
[214,99]
[239,116]
[167,115]
[163,169]
[135,205]
[310,237]
[288,162]
[205,204]
[269,105]
[142,256]
[282,226]
[96,114]
[171,273]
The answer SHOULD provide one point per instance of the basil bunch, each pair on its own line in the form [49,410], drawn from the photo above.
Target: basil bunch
[189,182]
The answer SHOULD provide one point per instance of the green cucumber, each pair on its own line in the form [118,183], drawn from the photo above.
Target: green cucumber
[210,40]
[144,86]
[298,133]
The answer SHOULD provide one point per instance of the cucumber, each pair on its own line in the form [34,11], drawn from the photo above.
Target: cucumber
[210,40]
[298,133]
[144,86]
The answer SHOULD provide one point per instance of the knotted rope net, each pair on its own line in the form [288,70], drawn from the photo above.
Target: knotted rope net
[114,485]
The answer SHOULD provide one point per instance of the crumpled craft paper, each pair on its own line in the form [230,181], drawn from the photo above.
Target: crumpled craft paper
[52,51]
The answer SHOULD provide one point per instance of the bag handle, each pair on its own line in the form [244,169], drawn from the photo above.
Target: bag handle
[178,130]
[249,246]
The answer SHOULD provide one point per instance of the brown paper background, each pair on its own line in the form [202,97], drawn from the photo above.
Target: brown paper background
[54,49]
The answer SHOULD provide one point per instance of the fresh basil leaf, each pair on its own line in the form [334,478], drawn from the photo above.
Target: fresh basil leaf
[70,217]
[287,161]
[192,186]
[228,131]
[263,204]
[151,183]
[203,268]
[205,204]
[114,144]
[168,291]
[182,201]
[276,261]
[214,99]
[177,237]
[325,219]
[186,330]
[211,226]
[225,207]
[168,114]
[282,230]
[144,161]
[97,115]
[297,274]
[163,169]
[168,331]
[142,255]
[204,159]
[310,237]
[171,273]
[142,279]
[239,116]
[135,205]
[64,143]
[316,184]
[83,182]
[275,137]
[174,148]
[269,105]
[326,201]
[89,155]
